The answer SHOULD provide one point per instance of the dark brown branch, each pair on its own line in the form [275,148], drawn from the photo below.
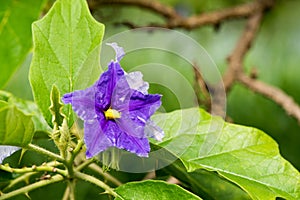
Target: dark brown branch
[174,20]
[155,6]
[273,93]
[236,58]
[200,88]
[216,17]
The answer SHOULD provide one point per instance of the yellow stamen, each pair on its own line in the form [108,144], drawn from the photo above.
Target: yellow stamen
[112,114]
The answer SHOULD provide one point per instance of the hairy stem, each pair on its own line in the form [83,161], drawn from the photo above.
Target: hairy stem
[46,152]
[42,168]
[106,175]
[97,182]
[28,188]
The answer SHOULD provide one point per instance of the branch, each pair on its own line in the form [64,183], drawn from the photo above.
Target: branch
[174,20]
[155,6]
[106,175]
[26,189]
[273,93]
[97,182]
[216,17]
[236,58]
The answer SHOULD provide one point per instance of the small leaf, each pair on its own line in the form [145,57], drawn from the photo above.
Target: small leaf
[28,108]
[16,128]
[15,33]
[153,190]
[244,155]
[56,108]
[66,53]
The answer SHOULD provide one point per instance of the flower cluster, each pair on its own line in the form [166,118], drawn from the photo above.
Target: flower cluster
[116,110]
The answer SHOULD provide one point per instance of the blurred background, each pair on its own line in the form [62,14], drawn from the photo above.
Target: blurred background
[274,55]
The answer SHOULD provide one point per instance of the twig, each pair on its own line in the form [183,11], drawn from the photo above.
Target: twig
[156,6]
[106,175]
[273,93]
[200,88]
[97,182]
[174,20]
[236,58]
[28,188]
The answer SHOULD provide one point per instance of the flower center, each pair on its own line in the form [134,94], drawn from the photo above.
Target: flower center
[112,114]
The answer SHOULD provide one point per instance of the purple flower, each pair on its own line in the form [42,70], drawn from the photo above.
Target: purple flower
[116,111]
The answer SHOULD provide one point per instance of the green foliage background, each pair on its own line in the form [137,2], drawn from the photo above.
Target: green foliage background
[275,55]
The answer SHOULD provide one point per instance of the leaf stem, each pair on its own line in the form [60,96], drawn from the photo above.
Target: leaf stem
[42,168]
[106,175]
[77,149]
[25,177]
[97,182]
[28,188]
[46,152]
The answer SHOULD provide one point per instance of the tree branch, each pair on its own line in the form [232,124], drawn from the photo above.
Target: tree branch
[174,20]
[237,56]
[155,6]
[273,93]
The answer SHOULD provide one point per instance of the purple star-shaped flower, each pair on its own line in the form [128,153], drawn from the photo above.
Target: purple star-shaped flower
[116,111]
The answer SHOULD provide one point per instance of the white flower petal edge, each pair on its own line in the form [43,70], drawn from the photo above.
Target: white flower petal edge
[6,151]
[136,82]
[153,131]
[119,51]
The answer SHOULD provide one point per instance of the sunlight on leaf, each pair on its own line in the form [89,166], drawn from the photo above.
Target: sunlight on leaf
[15,33]
[244,155]
[16,128]
[153,190]
[66,52]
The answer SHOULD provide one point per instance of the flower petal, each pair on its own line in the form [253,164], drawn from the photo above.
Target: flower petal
[94,137]
[119,51]
[143,106]
[135,107]
[154,131]
[132,125]
[6,151]
[122,140]
[106,85]
[136,82]
[83,102]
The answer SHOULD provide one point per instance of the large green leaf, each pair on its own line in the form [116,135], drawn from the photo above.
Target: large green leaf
[66,52]
[244,155]
[16,128]
[16,17]
[153,190]
[209,185]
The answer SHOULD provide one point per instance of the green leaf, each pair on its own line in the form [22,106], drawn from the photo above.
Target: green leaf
[153,190]
[15,33]
[28,108]
[66,53]
[16,128]
[56,107]
[209,185]
[243,155]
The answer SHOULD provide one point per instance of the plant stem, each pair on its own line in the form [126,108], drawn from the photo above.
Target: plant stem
[42,168]
[85,164]
[28,188]
[106,175]
[97,182]
[46,152]
[77,149]
[25,177]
